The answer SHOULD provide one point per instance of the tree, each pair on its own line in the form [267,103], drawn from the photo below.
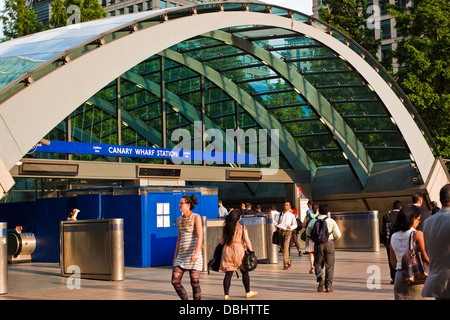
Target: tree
[350,17]
[59,15]
[19,20]
[66,12]
[424,56]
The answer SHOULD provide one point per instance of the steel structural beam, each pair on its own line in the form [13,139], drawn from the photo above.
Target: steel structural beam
[354,151]
[146,131]
[184,107]
[296,156]
[102,170]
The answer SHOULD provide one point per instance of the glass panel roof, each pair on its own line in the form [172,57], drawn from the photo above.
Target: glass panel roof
[188,92]
[37,48]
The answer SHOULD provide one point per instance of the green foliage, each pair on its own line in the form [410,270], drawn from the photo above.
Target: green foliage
[350,17]
[63,12]
[424,55]
[18,20]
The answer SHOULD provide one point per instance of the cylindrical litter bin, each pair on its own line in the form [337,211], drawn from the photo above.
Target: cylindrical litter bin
[272,249]
[3,258]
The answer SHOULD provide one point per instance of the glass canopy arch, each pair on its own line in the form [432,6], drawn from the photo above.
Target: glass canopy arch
[260,76]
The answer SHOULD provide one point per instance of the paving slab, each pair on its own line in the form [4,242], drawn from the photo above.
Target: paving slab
[358,276]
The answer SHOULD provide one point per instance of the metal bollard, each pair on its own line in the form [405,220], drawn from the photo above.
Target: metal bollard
[205,244]
[3,258]
[375,231]
[272,249]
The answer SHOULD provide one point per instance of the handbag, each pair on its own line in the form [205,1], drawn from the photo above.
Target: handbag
[249,261]
[413,268]
[214,263]
[299,225]
[276,237]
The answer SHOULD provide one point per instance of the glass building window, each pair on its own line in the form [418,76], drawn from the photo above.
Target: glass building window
[385,50]
[385,29]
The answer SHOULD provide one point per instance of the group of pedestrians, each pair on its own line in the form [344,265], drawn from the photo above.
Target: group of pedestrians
[429,232]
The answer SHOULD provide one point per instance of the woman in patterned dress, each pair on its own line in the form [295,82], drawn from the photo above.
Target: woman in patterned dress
[233,237]
[188,252]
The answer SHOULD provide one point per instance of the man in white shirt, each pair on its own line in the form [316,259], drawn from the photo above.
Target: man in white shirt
[286,223]
[324,252]
[222,210]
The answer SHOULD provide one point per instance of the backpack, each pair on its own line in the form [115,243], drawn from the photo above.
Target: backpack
[319,233]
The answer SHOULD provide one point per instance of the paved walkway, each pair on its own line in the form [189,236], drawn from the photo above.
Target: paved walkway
[353,271]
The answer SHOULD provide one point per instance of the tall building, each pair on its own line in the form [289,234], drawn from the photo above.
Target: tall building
[385,30]
[117,7]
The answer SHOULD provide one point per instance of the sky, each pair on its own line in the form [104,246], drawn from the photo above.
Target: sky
[304,6]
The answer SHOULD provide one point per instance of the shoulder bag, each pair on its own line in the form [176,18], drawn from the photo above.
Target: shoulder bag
[413,268]
[214,263]
[249,261]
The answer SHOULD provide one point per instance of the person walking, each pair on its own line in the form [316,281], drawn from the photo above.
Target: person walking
[324,255]
[387,229]
[408,219]
[222,210]
[312,213]
[188,250]
[296,232]
[287,222]
[436,232]
[234,236]
[417,200]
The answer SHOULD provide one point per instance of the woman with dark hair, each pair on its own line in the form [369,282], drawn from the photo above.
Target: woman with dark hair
[234,235]
[408,219]
[188,250]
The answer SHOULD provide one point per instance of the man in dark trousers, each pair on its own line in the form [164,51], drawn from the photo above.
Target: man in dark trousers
[417,200]
[387,230]
[436,235]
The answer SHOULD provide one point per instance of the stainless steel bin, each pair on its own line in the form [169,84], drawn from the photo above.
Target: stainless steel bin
[272,249]
[95,247]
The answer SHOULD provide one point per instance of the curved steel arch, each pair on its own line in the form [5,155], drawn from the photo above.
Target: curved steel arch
[67,92]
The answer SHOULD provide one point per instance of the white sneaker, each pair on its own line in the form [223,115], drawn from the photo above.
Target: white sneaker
[226,297]
[251,294]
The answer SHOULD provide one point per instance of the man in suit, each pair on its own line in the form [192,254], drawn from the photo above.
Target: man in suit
[417,200]
[437,244]
[387,230]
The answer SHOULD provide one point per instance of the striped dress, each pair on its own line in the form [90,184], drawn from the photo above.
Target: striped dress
[186,245]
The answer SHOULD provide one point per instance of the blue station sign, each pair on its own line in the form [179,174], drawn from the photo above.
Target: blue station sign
[144,152]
